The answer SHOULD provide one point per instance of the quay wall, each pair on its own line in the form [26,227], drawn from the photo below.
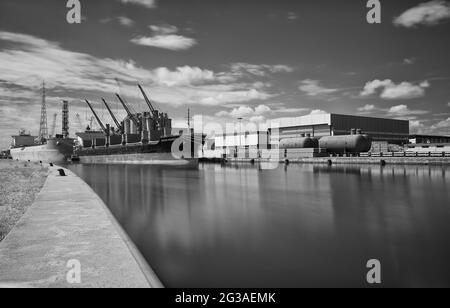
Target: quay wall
[69,223]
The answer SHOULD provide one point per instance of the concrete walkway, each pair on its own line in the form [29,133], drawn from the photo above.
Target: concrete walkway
[68,221]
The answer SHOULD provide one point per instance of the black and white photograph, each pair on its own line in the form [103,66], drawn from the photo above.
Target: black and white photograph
[224,151]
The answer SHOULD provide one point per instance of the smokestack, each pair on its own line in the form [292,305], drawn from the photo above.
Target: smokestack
[65,119]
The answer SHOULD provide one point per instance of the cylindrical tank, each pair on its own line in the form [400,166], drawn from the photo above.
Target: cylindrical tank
[299,143]
[346,144]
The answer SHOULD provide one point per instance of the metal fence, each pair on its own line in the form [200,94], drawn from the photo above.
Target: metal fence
[406,154]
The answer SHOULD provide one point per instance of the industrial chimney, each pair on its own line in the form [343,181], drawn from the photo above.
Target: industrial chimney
[65,119]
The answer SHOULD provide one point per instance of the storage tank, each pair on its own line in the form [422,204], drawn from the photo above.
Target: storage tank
[346,144]
[299,143]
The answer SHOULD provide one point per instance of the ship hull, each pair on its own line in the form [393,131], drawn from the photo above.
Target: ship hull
[153,153]
[54,151]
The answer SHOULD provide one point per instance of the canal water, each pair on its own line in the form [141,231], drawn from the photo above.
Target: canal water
[295,226]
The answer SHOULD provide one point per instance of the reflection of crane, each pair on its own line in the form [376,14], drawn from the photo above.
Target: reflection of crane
[53,127]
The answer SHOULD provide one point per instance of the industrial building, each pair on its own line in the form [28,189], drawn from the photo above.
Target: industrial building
[428,139]
[321,125]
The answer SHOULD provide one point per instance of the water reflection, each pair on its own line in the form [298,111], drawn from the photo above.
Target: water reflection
[301,225]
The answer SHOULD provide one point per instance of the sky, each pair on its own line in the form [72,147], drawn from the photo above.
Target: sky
[224,60]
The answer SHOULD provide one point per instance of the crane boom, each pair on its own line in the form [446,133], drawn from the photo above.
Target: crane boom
[96,117]
[130,115]
[147,100]
[112,115]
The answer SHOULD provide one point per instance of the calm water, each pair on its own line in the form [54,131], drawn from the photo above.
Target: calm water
[300,226]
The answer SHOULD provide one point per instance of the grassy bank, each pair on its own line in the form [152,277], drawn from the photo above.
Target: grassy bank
[19,185]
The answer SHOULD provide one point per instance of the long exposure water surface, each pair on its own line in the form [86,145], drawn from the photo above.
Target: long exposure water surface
[295,226]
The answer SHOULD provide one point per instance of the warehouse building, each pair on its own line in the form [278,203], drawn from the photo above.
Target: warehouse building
[320,125]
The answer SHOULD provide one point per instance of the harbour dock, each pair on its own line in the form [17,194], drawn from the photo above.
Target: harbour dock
[69,223]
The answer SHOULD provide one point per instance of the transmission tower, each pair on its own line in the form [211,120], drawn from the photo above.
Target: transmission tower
[43,130]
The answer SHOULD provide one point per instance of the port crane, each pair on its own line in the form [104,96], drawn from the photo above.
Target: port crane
[118,125]
[97,118]
[127,109]
[147,100]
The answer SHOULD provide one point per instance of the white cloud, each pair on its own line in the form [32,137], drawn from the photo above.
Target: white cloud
[240,96]
[416,127]
[318,111]
[33,59]
[125,21]
[170,42]
[246,112]
[185,75]
[428,13]
[367,108]
[390,90]
[260,70]
[409,61]
[403,110]
[313,88]
[166,37]
[145,3]
[443,124]
[292,16]
[164,29]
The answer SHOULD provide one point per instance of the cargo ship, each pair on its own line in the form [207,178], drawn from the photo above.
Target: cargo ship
[44,148]
[55,150]
[140,138]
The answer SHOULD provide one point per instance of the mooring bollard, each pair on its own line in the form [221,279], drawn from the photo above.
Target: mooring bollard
[61,172]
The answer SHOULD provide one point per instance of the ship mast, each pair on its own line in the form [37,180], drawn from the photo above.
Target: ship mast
[43,130]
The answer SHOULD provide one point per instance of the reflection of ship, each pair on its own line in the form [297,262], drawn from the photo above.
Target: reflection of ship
[44,148]
[141,138]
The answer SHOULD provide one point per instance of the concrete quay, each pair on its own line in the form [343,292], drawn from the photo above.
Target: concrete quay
[69,224]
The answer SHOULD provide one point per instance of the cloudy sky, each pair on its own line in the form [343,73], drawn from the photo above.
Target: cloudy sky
[256,59]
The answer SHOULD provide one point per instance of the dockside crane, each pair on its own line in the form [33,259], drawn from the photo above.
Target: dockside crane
[130,115]
[147,100]
[97,118]
[118,125]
